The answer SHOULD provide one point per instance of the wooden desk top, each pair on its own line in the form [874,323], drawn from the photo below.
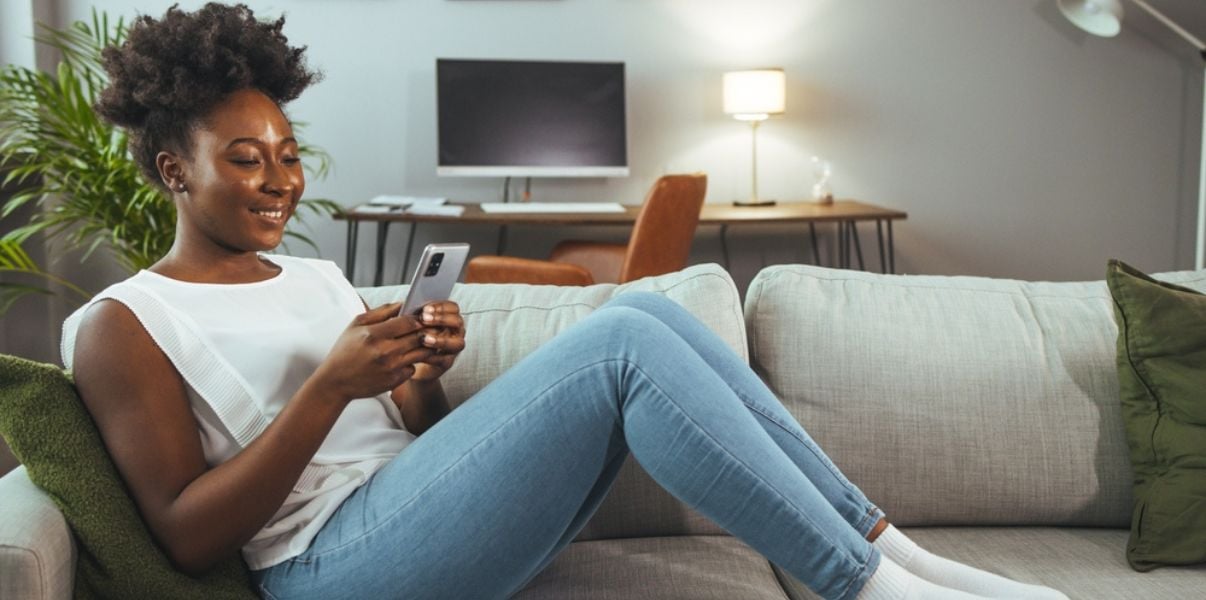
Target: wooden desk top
[716,214]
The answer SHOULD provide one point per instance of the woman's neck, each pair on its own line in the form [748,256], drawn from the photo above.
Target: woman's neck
[212,264]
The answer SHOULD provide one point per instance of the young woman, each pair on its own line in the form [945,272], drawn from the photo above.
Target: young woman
[252,401]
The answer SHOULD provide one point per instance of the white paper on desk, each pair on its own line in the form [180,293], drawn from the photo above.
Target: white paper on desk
[386,200]
[553,207]
[372,209]
[449,210]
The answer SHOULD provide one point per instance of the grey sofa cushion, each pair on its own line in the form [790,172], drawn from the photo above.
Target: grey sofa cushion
[504,323]
[953,400]
[674,568]
[37,554]
[1085,564]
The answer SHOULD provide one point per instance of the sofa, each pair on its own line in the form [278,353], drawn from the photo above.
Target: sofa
[981,414]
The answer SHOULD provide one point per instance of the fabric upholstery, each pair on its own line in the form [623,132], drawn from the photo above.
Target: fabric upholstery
[52,434]
[604,260]
[509,269]
[37,555]
[1162,373]
[674,568]
[1085,564]
[996,400]
[503,323]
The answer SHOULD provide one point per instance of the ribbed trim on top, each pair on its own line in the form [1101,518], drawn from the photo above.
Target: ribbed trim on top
[890,581]
[896,546]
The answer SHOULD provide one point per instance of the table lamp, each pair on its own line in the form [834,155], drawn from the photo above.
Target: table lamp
[754,96]
[1104,18]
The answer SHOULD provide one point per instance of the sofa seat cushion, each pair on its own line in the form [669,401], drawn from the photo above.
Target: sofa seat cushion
[1084,563]
[663,568]
[954,400]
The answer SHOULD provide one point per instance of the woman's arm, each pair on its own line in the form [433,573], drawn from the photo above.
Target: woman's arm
[139,402]
[422,404]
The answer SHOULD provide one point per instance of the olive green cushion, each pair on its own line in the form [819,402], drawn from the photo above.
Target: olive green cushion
[1162,377]
[52,434]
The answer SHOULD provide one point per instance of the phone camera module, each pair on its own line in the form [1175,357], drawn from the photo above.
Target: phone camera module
[433,267]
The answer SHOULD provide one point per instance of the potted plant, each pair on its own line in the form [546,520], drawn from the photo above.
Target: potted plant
[61,157]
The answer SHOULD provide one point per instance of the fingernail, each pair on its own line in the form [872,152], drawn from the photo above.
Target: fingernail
[428,339]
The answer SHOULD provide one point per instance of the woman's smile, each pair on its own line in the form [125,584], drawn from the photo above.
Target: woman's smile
[273,215]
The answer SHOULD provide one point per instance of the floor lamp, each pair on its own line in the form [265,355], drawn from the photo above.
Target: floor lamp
[1104,18]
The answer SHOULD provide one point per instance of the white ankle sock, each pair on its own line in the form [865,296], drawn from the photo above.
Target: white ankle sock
[897,547]
[892,582]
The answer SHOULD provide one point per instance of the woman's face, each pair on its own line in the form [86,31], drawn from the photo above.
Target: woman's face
[244,177]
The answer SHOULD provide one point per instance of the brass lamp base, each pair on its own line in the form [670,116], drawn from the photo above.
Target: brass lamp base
[753,203]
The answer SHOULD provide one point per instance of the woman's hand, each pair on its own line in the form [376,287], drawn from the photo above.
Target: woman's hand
[444,334]
[378,352]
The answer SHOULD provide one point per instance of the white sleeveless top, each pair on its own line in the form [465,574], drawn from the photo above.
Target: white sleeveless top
[244,350]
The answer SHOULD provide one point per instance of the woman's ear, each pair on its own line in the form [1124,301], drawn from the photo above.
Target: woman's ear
[171,171]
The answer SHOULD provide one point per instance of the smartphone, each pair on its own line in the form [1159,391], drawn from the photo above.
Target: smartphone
[438,269]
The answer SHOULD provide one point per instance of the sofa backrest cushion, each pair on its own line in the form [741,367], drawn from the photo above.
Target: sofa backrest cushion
[506,322]
[954,400]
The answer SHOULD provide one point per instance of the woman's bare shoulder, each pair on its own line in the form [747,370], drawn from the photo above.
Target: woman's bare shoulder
[113,346]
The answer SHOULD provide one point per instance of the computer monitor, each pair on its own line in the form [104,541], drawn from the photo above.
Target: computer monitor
[531,118]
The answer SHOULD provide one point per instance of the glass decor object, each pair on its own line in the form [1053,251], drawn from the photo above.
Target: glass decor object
[822,170]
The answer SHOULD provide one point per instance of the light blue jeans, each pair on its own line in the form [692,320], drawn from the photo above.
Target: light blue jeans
[481,503]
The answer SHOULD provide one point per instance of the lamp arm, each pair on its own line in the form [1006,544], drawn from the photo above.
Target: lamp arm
[1189,37]
[1199,254]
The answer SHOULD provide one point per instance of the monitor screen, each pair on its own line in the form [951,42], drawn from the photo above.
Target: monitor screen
[531,118]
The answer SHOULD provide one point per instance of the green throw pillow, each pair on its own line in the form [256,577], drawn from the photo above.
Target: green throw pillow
[1162,376]
[52,434]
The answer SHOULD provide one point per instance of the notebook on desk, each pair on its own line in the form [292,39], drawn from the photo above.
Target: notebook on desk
[552,207]
[387,200]
[446,210]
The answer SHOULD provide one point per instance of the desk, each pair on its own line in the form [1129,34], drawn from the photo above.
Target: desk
[845,213]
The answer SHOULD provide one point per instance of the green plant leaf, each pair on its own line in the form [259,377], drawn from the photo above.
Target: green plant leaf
[14,258]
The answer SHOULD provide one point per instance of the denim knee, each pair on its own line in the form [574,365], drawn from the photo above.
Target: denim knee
[623,329]
[645,301]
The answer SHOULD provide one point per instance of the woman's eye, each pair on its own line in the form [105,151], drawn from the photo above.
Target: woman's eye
[245,161]
[292,160]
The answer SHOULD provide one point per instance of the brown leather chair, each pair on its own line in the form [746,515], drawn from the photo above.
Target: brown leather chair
[660,243]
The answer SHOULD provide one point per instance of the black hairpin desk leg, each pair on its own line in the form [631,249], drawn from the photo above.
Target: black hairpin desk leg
[350,256]
[382,232]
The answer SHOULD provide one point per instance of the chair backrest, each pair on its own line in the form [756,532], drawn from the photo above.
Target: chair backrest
[661,237]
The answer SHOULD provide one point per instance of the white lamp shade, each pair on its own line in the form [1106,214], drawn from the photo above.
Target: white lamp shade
[1098,17]
[755,94]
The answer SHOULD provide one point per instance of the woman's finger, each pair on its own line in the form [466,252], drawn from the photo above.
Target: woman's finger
[432,316]
[444,341]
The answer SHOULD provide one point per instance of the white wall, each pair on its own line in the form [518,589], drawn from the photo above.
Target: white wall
[1019,146]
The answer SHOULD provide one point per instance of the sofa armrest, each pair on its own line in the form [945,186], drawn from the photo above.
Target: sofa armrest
[37,551]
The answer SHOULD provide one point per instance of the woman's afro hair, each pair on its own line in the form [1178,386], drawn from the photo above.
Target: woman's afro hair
[169,73]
